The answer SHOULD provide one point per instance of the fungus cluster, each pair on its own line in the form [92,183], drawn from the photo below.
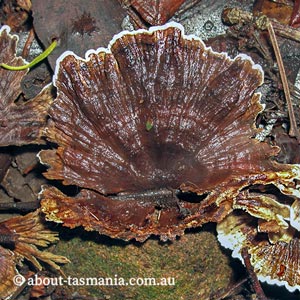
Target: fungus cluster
[157,134]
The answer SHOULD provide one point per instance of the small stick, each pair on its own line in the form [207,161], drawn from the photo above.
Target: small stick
[186,6]
[19,206]
[238,16]
[293,124]
[34,61]
[225,293]
[28,43]
[286,31]
[255,283]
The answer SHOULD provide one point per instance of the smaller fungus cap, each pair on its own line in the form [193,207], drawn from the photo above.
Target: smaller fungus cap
[24,234]
[269,237]
[20,123]
[156,132]
[8,271]
[154,12]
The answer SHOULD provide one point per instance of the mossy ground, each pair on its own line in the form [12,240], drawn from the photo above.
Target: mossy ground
[195,261]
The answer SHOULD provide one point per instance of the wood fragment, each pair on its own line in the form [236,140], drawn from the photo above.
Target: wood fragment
[19,206]
[255,283]
[293,132]
[233,16]
[28,44]
[230,291]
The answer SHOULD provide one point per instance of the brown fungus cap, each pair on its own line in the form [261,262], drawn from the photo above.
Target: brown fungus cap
[21,123]
[25,235]
[274,251]
[154,12]
[8,271]
[157,132]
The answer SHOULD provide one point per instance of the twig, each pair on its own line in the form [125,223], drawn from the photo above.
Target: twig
[224,293]
[34,62]
[255,283]
[28,44]
[19,206]
[238,16]
[186,6]
[286,31]
[293,124]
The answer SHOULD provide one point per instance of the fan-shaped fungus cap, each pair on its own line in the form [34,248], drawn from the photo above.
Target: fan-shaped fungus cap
[25,234]
[8,271]
[156,130]
[270,232]
[154,12]
[20,123]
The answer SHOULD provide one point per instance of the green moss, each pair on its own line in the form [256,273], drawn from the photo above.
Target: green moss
[195,261]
